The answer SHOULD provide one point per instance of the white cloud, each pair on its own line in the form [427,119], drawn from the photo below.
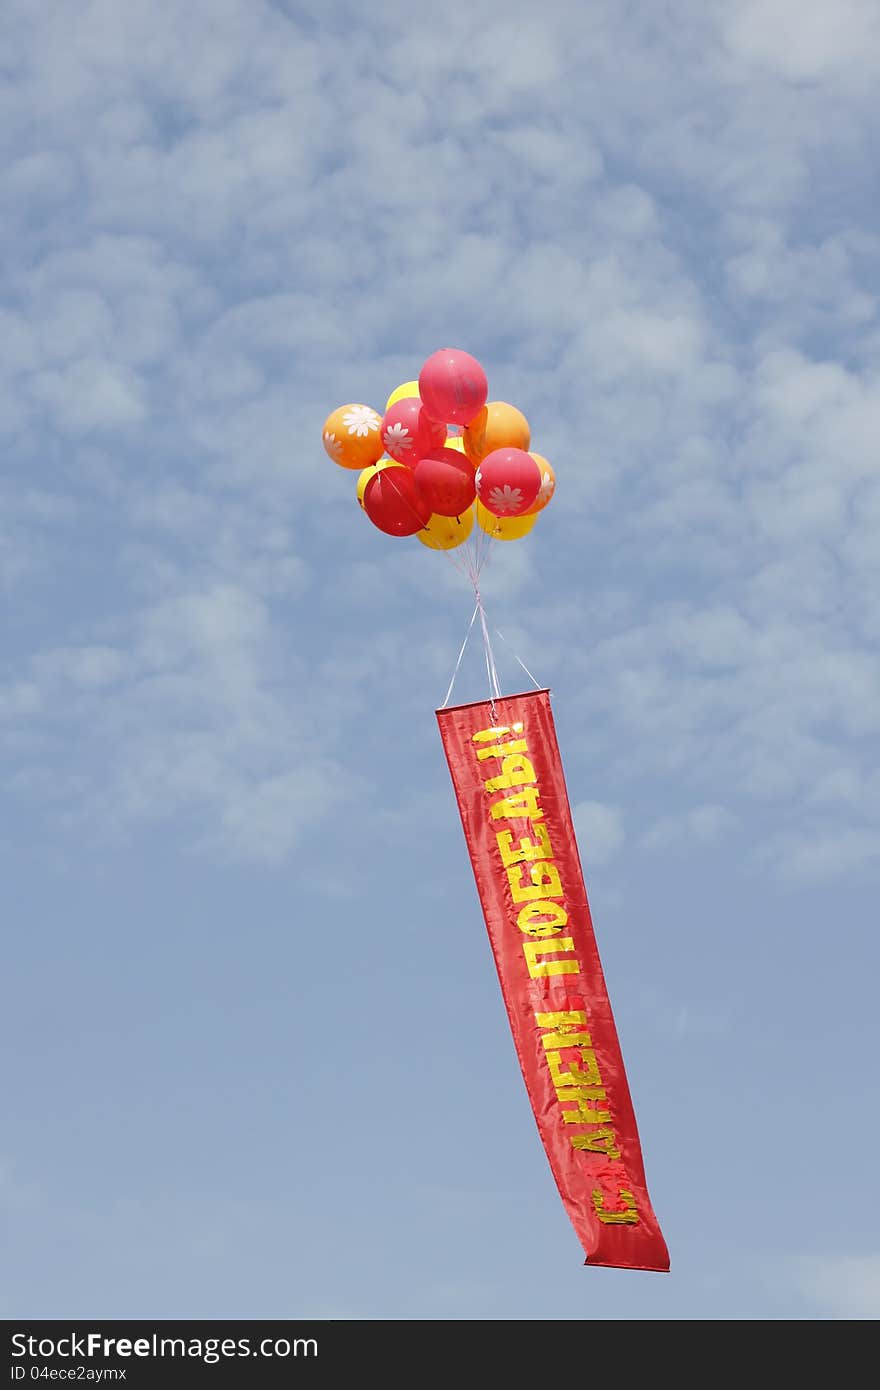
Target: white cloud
[599,829]
[90,394]
[701,825]
[832,38]
[19,698]
[823,852]
[220,252]
[87,667]
[190,722]
[842,1286]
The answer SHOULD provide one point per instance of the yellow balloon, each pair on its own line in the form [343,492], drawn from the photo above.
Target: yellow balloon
[446,532]
[548,485]
[402,392]
[504,528]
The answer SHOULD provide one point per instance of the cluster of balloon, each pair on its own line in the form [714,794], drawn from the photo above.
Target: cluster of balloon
[443,458]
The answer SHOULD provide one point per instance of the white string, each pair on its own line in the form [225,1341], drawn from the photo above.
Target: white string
[461,654]
[474,554]
[494,687]
[516,658]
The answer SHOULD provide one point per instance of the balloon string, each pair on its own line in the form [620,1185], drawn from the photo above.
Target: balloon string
[491,668]
[479,556]
[454,560]
[475,553]
[494,687]
[484,545]
[516,658]
[474,556]
[460,655]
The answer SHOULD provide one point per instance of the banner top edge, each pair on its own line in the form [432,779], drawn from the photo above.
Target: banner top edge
[498,700]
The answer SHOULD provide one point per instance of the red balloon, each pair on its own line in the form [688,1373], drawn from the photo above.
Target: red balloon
[393,503]
[453,386]
[445,478]
[508,481]
[408,431]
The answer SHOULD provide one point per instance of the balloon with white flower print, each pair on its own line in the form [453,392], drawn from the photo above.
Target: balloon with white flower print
[504,528]
[447,532]
[445,479]
[403,392]
[453,386]
[508,481]
[392,501]
[547,488]
[352,436]
[408,431]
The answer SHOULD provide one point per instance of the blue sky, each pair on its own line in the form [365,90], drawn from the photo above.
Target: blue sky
[256,1062]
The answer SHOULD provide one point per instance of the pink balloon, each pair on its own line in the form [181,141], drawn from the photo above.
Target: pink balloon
[393,503]
[508,481]
[408,431]
[445,478]
[453,386]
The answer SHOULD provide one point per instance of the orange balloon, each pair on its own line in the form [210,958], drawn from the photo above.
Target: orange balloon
[504,528]
[353,437]
[548,485]
[498,426]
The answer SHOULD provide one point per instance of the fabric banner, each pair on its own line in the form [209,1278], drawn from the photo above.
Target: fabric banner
[508,779]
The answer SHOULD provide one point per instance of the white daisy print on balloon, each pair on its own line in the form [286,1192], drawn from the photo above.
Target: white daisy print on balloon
[397,440]
[548,483]
[361,420]
[332,445]
[505,501]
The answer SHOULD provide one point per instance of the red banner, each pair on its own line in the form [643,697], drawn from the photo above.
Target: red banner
[507,773]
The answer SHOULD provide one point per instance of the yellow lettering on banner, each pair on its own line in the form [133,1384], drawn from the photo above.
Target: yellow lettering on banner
[582,1097]
[539,968]
[496,732]
[568,1021]
[539,848]
[498,750]
[542,919]
[523,805]
[567,1038]
[577,1082]
[602,1141]
[514,771]
[543,882]
[573,1073]
[628,1217]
